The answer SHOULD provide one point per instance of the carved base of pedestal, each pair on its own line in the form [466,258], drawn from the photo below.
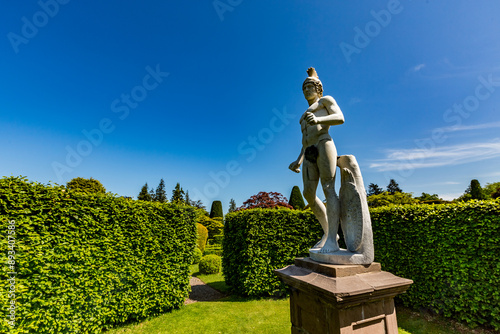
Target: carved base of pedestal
[343,256]
[342,298]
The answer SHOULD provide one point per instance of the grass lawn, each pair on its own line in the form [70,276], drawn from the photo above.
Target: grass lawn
[242,315]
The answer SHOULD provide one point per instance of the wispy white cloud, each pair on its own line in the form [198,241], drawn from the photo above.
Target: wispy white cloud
[445,69]
[418,67]
[407,159]
[472,127]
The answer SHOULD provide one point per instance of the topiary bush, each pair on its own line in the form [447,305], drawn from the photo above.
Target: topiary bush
[216,210]
[202,236]
[450,251]
[87,262]
[198,254]
[258,241]
[210,264]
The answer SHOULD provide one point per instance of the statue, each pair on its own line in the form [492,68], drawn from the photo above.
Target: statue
[320,160]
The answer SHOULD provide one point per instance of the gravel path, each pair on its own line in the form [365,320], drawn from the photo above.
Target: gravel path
[200,292]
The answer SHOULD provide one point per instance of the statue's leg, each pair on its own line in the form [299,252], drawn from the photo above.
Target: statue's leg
[310,176]
[327,165]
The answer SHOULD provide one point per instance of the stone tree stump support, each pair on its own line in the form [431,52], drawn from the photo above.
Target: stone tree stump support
[327,298]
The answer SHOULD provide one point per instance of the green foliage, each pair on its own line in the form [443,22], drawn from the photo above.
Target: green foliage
[218,239]
[476,192]
[160,194]
[428,197]
[87,262]
[86,185]
[144,195]
[232,205]
[216,210]
[213,249]
[257,241]
[214,226]
[393,187]
[296,199]
[198,254]
[374,189]
[177,194]
[387,198]
[450,251]
[491,188]
[202,236]
[210,264]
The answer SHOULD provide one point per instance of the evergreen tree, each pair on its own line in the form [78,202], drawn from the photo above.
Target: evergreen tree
[393,187]
[177,194]
[476,192]
[232,205]
[152,195]
[198,204]
[161,195]
[188,199]
[374,189]
[296,199]
[216,210]
[86,185]
[144,194]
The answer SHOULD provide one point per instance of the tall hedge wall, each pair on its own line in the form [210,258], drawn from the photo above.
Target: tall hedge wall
[257,241]
[450,251]
[88,262]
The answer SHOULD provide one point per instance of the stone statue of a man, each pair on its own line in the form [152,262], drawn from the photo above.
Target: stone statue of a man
[319,158]
[320,161]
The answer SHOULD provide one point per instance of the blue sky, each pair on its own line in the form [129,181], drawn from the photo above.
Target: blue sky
[208,93]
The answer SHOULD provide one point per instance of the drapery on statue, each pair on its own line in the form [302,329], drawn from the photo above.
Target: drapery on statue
[319,159]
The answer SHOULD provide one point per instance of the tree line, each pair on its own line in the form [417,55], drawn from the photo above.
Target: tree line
[395,195]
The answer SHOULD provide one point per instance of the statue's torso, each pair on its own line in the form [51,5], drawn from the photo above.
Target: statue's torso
[312,134]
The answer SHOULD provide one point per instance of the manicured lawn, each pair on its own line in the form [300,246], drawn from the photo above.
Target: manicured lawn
[240,315]
[231,315]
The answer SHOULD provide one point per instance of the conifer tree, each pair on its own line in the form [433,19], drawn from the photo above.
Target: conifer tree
[160,195]
[152,195]
[393,187]
[216,210]
[188,199]
[144,195]
[177,194]
[296,199]
[374,189]
[476,191]
[232,205]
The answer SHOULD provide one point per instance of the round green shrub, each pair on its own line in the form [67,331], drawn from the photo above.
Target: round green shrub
[197,255]
[210,264]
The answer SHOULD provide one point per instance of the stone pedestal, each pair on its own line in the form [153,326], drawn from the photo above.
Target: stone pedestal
[343,299]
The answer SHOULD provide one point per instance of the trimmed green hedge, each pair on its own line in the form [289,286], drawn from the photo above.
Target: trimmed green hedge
[257,241]
[450,251]
[87,262]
